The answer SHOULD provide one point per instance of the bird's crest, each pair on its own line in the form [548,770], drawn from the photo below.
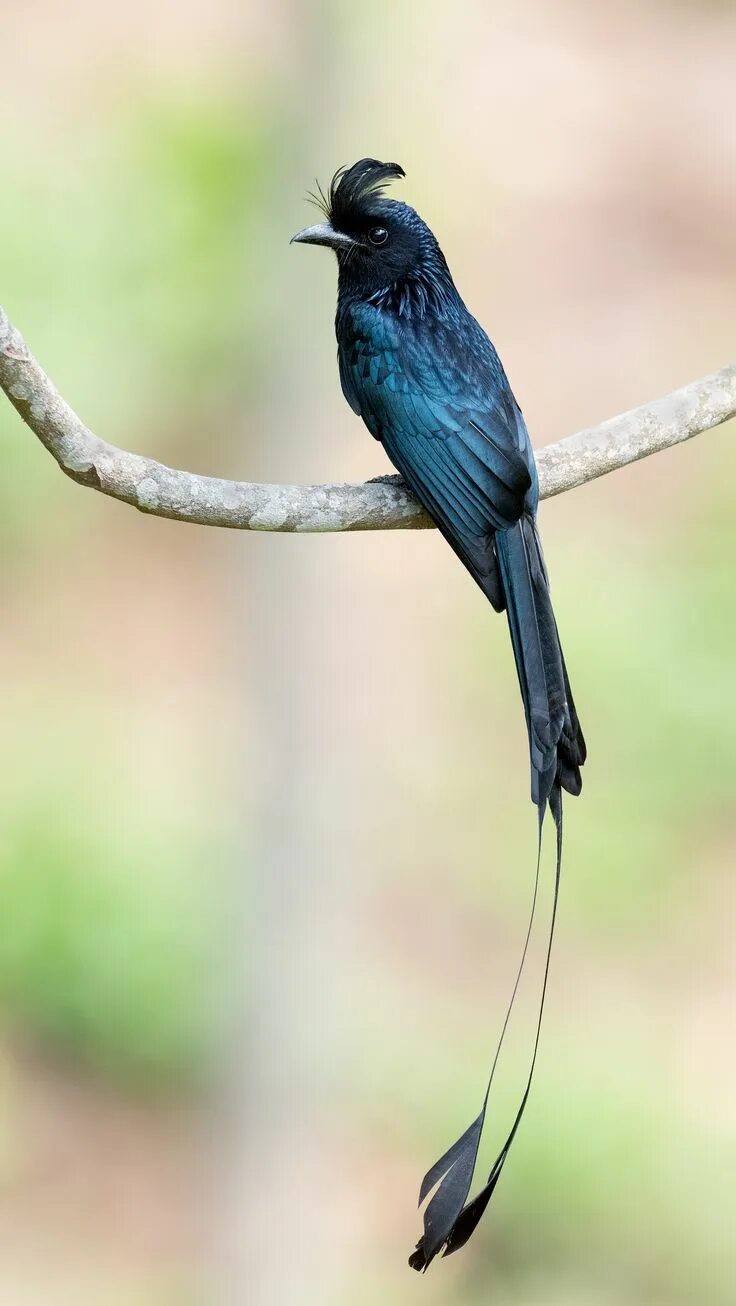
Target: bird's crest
[351,187]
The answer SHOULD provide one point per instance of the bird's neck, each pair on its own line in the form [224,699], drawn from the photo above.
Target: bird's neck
[429,288]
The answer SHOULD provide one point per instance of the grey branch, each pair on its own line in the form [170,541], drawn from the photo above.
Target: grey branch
[376,505]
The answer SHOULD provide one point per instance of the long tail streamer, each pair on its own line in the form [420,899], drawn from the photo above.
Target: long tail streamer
[449,1218]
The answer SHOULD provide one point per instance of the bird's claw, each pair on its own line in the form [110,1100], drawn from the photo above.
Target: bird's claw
[389,478]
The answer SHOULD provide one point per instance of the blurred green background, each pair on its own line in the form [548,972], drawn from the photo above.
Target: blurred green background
[578,166]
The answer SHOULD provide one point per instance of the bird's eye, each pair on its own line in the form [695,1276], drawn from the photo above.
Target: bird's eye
[378,235]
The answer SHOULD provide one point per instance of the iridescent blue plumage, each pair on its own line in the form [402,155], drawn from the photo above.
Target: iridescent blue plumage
[428,383]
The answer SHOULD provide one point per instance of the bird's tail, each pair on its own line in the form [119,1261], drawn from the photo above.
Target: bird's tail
[556,744]
[557,751]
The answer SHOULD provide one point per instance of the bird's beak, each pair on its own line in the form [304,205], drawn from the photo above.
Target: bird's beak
[323,234]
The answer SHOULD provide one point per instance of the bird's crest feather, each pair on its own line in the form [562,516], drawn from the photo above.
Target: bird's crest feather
[350,188]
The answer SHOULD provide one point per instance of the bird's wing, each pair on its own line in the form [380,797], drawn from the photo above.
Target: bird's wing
[451,426]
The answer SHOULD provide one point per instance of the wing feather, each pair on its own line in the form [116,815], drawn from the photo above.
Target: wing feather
[450,425]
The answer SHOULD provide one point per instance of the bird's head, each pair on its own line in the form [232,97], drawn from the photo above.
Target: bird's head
[380,243]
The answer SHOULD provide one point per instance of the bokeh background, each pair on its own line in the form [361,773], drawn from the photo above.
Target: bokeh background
[265,844]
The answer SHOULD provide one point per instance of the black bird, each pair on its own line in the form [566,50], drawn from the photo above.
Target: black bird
[428,383]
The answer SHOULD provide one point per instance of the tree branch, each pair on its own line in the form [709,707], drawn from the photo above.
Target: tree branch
[376,505]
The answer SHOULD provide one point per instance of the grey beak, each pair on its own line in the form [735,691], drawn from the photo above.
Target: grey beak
[323,234]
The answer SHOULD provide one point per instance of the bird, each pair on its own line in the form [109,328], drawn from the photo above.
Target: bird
[427,382]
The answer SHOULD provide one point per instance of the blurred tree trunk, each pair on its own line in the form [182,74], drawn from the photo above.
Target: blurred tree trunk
[275,1245]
